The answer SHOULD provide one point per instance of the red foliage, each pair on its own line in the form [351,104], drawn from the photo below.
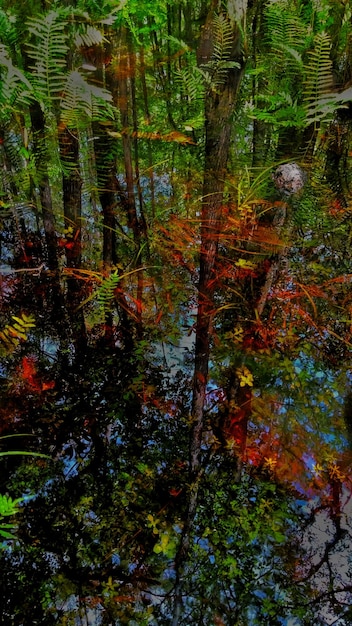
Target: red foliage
[336,208]
[259,337]
[29,375]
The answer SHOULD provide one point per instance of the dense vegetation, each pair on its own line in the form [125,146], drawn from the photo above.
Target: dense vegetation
[175,320]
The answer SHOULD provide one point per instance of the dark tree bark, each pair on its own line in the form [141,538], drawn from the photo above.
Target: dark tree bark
[72,201]
[107,189]
[220,104]
[38,126]
[135,221]
[261,133]
[219,108]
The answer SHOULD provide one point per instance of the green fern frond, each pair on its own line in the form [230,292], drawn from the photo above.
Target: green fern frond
[105,293]
[13,147]
[319,80]
[9,33]
[284,42]
[284,27]
[191,83]
[49,53]
[180,44]
[82,99]
[223,38]
[15,89]
[89,36]
[12,334]
[8,506]
[216,70]
[319,68]
[293,57]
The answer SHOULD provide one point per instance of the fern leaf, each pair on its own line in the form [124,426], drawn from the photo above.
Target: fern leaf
[318,71]
[49,52]
[82,99]
[9,32]
[27,320]
[9,342]
[15,89]
[284,27]
[105,292]
[8,506]
[223,38]
[13,334]
[216,70]
[89,36]
[285,41]
[190,80]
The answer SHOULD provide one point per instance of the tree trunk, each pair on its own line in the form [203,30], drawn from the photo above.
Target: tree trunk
[72,201]
[38,126]
[219,107]
[134,222]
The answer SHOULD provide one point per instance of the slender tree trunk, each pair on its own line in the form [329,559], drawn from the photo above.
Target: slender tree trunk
[42,159]
[106,172]
[219,107]
[132,62]
[134,221]
[38,126]
[148,119]
[72,201]
[261,137]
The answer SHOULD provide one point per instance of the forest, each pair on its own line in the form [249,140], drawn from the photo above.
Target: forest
[176,312]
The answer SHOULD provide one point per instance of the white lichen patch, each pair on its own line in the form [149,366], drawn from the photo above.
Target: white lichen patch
[289,178]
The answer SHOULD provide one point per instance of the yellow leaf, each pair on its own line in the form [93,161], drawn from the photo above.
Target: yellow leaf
[243,263]
[245,376]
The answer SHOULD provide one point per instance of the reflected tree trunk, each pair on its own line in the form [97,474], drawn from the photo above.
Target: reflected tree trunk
[219,107]
[72,202]
[135,223]
[220,104]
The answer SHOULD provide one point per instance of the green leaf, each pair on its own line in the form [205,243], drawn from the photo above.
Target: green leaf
[8,506]
[5,534]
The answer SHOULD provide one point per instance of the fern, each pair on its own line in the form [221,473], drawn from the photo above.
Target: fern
[105,293]
[285,30]
[190,80]
[319,69]
[49,52]
[80,99]
[279,110]
[13,146]
[89,36]
[301,65]
[15,89]
[8,507]
[223,38]
[14,333]
[319,79]
[216,70]
[8,32]
[284,43]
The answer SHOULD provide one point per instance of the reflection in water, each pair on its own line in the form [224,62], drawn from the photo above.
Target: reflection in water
[96,539]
